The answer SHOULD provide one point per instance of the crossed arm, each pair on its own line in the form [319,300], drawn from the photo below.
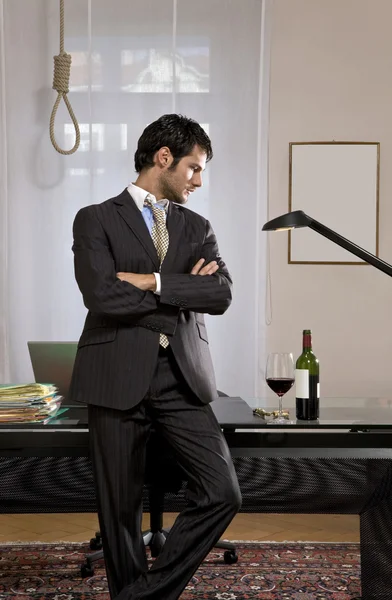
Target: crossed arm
[147,282]
[129,297]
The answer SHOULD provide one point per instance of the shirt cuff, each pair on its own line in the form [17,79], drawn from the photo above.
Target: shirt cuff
[158,283]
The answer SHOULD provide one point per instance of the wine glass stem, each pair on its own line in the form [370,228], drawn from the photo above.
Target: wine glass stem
[280,406]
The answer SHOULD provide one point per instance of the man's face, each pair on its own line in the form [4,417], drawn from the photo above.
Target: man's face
[178,183]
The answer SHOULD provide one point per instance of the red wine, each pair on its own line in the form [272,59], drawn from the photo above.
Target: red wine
[280,385]
[307,409]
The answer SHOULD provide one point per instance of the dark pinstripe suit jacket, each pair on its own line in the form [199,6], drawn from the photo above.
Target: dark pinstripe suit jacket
[118,349]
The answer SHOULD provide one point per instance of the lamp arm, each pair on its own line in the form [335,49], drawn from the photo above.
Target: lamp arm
[351,247]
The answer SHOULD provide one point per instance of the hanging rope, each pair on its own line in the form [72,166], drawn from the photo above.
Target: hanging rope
[62,70]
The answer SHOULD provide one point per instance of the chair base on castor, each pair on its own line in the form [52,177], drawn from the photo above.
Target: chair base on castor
[155,542]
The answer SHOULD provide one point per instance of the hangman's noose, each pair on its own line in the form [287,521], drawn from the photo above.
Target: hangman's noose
[62,70]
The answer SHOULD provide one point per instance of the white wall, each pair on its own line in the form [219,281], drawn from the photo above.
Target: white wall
[217,47]
[331,79]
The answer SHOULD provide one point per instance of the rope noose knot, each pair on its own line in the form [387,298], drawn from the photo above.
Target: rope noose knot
[62,72]
[61,75]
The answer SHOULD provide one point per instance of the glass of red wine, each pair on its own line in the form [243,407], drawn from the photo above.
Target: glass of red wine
[279,375]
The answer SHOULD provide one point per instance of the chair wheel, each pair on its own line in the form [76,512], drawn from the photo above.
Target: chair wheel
[86,571]
[230,557]
[96,543]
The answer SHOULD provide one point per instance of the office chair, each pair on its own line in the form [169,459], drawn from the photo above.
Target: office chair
[160,480]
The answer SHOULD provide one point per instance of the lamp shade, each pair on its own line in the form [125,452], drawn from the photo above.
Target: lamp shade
[291,220]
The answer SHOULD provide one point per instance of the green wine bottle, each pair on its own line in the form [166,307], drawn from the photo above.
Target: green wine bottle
[307,381]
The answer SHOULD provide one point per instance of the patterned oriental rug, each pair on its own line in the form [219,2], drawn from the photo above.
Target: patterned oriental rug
[265,571]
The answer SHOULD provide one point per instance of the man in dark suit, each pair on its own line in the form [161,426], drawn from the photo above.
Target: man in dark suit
[148,269]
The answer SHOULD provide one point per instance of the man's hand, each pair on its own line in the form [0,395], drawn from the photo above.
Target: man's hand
[208,269]
[146,283]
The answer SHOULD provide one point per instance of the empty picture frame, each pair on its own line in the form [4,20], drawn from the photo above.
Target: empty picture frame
[336,183]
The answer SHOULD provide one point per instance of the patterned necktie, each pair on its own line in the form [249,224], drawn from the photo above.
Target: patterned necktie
[160,237]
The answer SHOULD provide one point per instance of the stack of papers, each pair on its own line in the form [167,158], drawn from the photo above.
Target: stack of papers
[28,403]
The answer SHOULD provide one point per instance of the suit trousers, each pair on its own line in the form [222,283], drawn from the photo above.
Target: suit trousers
[118,451]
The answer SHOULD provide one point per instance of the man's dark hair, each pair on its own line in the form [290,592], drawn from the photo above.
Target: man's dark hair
[180,134]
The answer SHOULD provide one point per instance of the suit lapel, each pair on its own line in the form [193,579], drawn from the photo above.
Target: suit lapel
[128,210]
[175,223]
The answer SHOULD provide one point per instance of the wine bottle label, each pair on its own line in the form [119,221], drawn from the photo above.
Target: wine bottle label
[314,386]
[302,383]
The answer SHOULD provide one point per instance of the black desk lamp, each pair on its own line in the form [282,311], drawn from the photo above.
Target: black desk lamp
[298,218]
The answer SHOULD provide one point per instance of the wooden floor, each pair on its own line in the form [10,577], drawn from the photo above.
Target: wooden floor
[80,527]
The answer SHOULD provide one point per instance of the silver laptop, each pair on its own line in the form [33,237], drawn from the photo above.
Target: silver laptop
[53,362]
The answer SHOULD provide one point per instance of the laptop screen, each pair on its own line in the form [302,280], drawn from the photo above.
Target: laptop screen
[53,362]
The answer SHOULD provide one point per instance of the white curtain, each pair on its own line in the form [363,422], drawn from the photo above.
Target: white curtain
[133,60]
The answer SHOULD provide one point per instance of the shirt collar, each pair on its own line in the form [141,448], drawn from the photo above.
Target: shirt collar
[139,195]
